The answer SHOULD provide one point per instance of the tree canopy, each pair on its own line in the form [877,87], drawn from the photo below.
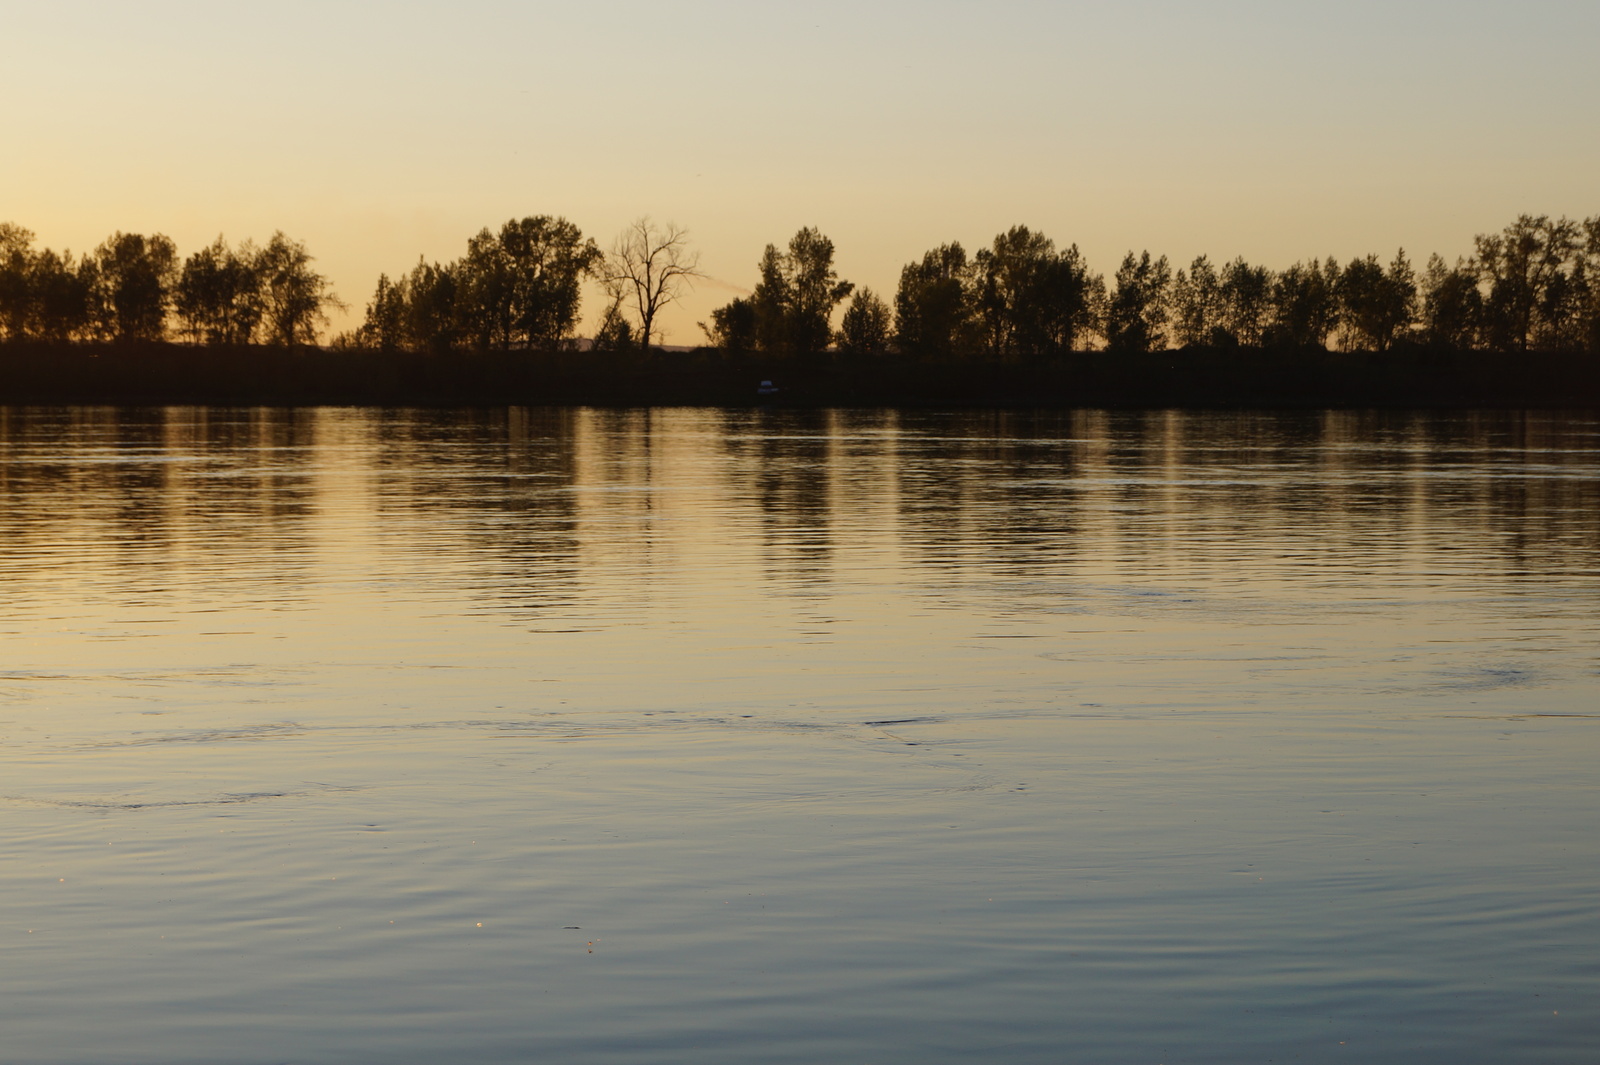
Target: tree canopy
[1532,286]
[520,287]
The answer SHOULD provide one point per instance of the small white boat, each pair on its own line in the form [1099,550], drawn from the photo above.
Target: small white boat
[767,388]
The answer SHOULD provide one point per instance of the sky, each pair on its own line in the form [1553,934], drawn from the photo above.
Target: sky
[378,133]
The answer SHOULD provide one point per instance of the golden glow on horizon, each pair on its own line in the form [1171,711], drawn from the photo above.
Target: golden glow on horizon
[380,136]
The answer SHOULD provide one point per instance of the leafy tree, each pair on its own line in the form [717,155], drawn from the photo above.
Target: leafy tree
[1563,318]
[791,307]
[1304,307]
[651,267]
[60,297]
[864,329]
[733,326]
[1562,313]
[1136,317]
[416,312]
[522,287]
[769,303]
[1031,300]
[1197,303]
[1591,268]
[433,320]
[1246,293]
[295,298]
[387,323]
[1071,304]
[1519,266]
[16,295]
[485,301]
[1376,306]
[1008,273]
[135,276]
[1452,304]
[614,332]
[934,307]
[219,297]
[815,290]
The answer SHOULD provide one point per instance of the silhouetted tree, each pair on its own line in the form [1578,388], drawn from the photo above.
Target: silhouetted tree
[1007,277]
[1591,269]
[219,297]
[1376,306]
[614,332]
[733,326]
[1305,309]
[295,298]
[791,307]
[16,292]
[414,313]
[1452,305]
[815,290]
[523,286]
[60,304]
[1533,285]
[1071,304]
[485,301]
[1197,304]
[1519,266]
[1031,300]
[651,266]
[1246,293]
[433,317]
[864,329]
[1136,317]
[769,303]
[934,310]
[386,326]
[1563,318]
[135,275]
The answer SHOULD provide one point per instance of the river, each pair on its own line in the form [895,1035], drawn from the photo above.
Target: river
[716,736]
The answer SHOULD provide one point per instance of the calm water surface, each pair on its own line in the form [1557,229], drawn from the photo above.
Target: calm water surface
[701,736]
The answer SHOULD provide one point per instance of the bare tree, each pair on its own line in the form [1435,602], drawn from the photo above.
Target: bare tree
[650,265]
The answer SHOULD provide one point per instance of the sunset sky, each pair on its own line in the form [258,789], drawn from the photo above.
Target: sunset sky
[378,132]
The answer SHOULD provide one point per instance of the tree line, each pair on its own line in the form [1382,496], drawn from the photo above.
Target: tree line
[1535,285]
[522,287]
[134,287]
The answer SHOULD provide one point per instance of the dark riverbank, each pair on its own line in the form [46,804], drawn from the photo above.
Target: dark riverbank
[179,374]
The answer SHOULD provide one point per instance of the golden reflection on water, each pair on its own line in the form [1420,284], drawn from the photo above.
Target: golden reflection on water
[793,495]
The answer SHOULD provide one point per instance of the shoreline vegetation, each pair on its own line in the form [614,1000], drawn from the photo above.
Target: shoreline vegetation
[1017,324]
